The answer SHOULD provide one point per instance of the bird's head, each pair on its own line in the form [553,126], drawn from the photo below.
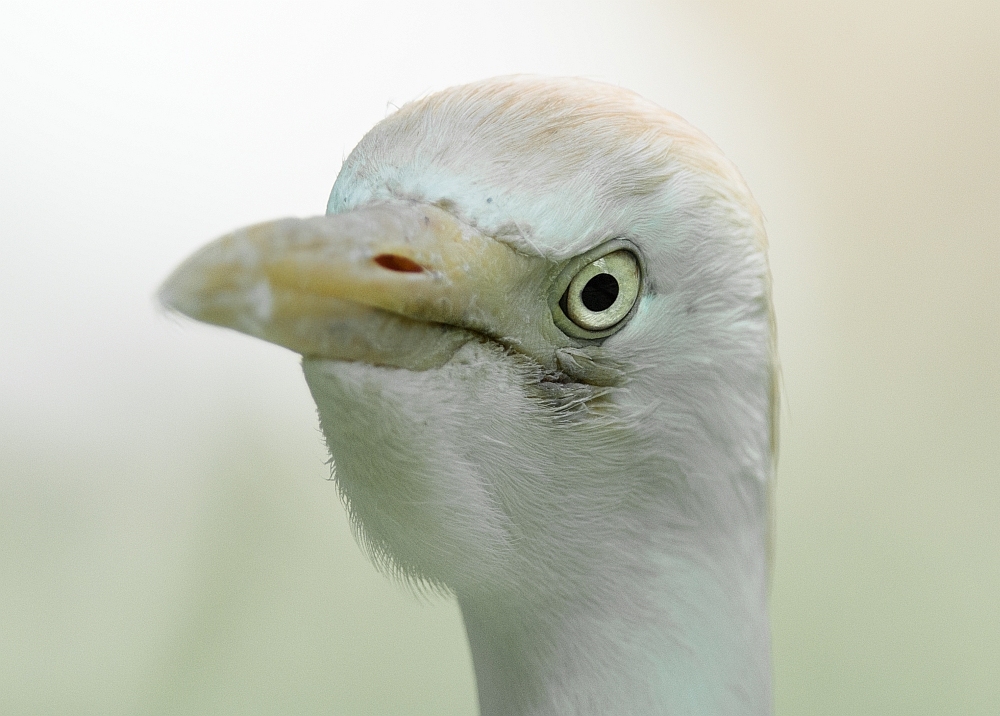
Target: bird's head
[536,323]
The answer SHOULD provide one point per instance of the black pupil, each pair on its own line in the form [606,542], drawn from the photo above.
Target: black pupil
[600,292]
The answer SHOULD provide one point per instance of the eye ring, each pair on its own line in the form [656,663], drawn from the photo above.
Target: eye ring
[600,292]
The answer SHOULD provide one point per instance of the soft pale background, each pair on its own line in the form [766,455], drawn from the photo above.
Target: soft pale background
[168,543]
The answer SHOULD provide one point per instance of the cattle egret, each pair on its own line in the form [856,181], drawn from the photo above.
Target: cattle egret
[536,321]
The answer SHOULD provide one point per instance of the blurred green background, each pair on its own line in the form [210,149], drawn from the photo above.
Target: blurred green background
[168,541]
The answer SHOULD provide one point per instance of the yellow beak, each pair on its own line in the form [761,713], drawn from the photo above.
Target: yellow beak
[391,284]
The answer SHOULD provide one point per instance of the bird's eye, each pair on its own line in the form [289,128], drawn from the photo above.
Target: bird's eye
[603,292]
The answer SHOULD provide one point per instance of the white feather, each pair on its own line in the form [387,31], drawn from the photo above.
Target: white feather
[607,543]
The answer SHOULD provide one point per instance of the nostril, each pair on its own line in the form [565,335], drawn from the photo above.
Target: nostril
[398,263]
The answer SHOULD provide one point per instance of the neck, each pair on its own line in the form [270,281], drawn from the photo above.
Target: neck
[689,636]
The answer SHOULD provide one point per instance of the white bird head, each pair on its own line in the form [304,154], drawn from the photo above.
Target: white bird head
[536,321]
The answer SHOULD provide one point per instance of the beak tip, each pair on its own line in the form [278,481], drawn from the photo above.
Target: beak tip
[184,292]
[172,297]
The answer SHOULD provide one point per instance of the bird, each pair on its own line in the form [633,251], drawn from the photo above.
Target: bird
[536,321]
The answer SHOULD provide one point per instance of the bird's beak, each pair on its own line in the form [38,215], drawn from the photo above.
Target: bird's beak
[391,284]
